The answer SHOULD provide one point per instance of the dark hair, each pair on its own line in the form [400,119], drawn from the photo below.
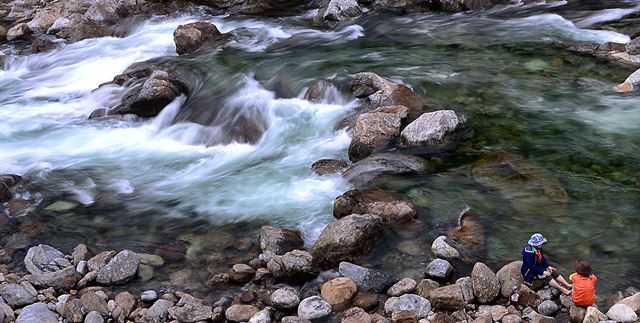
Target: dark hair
[582,267]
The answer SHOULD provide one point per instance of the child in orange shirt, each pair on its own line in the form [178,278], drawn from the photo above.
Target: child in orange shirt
[584,284]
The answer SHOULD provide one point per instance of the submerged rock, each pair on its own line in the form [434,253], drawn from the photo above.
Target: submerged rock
[346,239]
[614,52]
[334,12]
[190,37]
[329,166]
[434,132]
[376,91]
[371,167]
[379,202]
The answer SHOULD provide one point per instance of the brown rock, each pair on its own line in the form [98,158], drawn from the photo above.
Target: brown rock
[100,260]
[71,311]
[404,317]
[190,37]
[469,231]
[125,302]
[485,283]
[339,292]
[374,132]
[386,204]
[64,279]
[241,273]
[356,315]
[92,302]
[577,313]
[425,287]
[240,313]
[366,301]
[442,318]
[448,298]
[279,240]
[329,166]
[509,277]
[376,91]
[528,297]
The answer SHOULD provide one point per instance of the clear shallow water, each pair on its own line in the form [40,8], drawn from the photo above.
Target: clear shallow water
[143,183]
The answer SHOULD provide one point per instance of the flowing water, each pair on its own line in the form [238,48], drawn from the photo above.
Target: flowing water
[236,154]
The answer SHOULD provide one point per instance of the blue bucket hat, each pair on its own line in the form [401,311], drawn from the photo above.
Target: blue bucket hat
[537,240]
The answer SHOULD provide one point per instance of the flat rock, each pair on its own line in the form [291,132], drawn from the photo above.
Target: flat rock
[313,308]
[64,279]
[367,280]
[346,239]
[191,312]
[120,269]
[373,166]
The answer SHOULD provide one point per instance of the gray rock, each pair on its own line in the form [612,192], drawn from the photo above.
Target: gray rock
[120,269]
[100,260]
[38,312]
[386,204]
[6,313]
[466,285]
[18,295]
[240,313]
[346,239]
[285,298]
[509,277]
[547,293]
[294,319]
[337,11]
[622,313]
[71,310]
[158,312]
[485,283]
[367,280]
[313,308]
[511,318]
[434,132]
[191,37]
[374,132]
[19,31]
[62,279]
[404,286]
[241,273]
[371,167]
[149,296]
[439,269]
[566,301]
[632,301]
[633,47]
[448,298]
[93,317]
[376,91]
[409,303]
[295,265]
[151,260]
[82,268]
[191,312]
[263,316]
[442,249]
[548,308]
[279,240]
[593,315]
[45,259]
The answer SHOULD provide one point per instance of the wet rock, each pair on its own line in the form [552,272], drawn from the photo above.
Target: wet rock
[448,298]
[425,287]
[376,91]
[485,283]
[109,11]
[509,277]
[346,239]
[3,36]
[404,286]
[356,315]
[323,92]
[367,280]
[466,285]
[190,312]
[125,302]
[374,132]
[632,83]
[5,193]
[285,298]
[593,315]
[18,295]
[548,308]
[190,37]
[622,313]
[80,28]
[371,167]
[378,202]
[339,292]
[329,166]
[279,240]
[94,317]
[439,269]
[43,259]
[313,308]
[434,132]
[38,312]
[64,279]
[19,31]
[334,12]
[408,303]
[294,266]
[614,52]
[92,302]
[468,236]
[120,269]
[145,273]
[151,260]
[241,273]
[442,249]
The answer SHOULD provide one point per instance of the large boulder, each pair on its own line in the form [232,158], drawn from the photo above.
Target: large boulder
[632,83]
[334,12]
[279,240]
[510,278]
[64,279]
[38,312]
[367,280]
[190,37]
[346,239]
[632,301]
[379,202]
[622,313]
[296,266]
[434,132]
[376,91]
[44,259]
[448,298]
[121,269]
[374,132]
[408,303]
[371,167]
[593,315]
[485,283]
[339,292]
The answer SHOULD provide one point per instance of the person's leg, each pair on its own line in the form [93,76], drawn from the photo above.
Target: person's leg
[556,276]
[553,283]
